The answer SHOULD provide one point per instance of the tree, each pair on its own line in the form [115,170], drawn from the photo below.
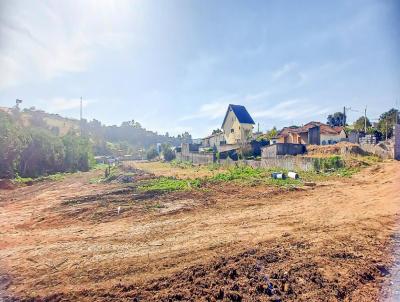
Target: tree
[387,121]
[78,153]
[167,152]
[216,131]
[359,124]
[337,119]
[272,133]
[12,142]
[151,153]
[186,137]
[43,155]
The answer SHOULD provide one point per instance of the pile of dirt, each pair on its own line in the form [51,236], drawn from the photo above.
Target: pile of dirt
[6,184]
[384,150]
[131,175]
[281,270]
[342,148]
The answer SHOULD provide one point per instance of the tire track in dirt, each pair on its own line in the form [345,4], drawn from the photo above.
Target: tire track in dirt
[334,231]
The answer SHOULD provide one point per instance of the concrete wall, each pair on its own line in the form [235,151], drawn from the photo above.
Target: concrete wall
[327,139]
[275,150]
[284,162]
[396,138]
[186,148]
[197,158]
[314,136]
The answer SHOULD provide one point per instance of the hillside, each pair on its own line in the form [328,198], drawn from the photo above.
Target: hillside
[129,137]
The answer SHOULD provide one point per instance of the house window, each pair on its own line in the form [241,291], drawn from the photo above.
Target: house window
[232,130]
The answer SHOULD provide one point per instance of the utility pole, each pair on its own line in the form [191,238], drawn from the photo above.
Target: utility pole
[344,116]
[365,119]
[80,119]
[386,128]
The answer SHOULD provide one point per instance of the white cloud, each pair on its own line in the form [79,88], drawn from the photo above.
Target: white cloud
[209,111]
[257,96]
[284,70]
[292,109]
[42,40]
[213,110]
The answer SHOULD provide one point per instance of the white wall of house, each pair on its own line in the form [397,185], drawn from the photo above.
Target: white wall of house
[327,139]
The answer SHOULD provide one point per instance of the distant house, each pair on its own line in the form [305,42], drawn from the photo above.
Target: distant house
[237,125]
[214,140]
[311,133]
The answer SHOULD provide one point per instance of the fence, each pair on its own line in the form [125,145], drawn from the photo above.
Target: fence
[196,158]
[285,162]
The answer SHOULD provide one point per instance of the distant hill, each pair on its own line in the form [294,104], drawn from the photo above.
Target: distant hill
[130,137]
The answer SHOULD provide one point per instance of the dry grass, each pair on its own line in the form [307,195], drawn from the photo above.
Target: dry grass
[171,170]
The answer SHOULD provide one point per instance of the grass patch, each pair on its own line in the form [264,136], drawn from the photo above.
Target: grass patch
[52,177]
[168,184]
[328,163]
[254,176]
[243,173]
[181,164]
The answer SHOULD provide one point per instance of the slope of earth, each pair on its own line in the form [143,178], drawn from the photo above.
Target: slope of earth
[227,242]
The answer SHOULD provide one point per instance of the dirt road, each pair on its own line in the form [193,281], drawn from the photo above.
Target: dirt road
[226,242]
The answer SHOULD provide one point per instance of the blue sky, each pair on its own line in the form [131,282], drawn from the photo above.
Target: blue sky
[175,65]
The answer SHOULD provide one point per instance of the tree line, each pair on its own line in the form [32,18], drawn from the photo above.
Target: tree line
[34,151]
[130,137]
[383,129]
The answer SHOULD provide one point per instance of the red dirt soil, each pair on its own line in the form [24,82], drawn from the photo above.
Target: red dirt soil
[64,241]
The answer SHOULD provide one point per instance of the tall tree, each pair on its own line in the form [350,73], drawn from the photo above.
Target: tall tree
[12,142]
[336,119]
[360,123]
[387,121]
[43,155]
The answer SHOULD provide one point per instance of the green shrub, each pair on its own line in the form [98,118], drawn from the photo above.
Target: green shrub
[168,154]
[151,154]
[182,164]
[329,163]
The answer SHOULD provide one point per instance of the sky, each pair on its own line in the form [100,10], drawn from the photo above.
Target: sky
[174,66]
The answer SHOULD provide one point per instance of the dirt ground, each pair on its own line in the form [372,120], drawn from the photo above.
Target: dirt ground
[163,169]
[65,241]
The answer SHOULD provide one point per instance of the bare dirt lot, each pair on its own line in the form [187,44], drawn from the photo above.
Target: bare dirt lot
[65,241]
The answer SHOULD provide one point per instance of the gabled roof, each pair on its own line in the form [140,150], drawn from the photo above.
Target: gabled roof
[323,128]
[241,113]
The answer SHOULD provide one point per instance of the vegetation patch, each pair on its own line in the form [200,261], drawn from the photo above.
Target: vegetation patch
[254,176]
[328,163]
[182,164]
[29,180]
[168,184]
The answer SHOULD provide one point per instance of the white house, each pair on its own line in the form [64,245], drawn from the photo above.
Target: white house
[237,125]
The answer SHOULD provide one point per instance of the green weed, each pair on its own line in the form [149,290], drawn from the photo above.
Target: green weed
[181,164]
[328,163]
[52,177]
[167,184]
